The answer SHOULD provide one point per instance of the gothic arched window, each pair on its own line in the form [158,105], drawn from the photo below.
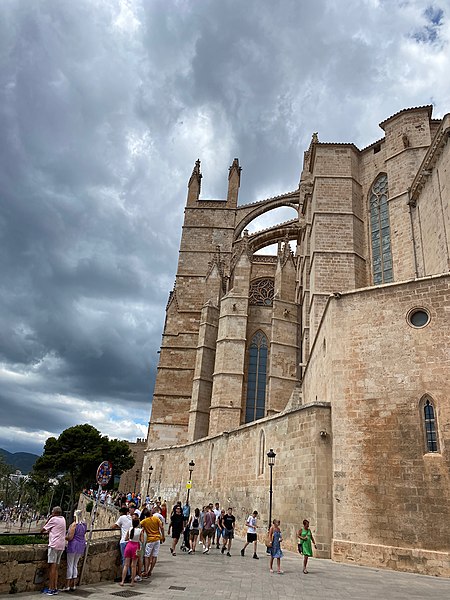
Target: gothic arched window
[261,452]
[380,231]
[256,379]
[429,420]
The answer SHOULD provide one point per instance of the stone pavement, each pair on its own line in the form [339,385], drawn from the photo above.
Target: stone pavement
[218,576]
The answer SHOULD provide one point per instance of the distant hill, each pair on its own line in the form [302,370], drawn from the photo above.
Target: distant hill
[23,461]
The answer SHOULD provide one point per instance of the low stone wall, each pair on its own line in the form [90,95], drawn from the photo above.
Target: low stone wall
[410,560]
[231,468]
[24,568]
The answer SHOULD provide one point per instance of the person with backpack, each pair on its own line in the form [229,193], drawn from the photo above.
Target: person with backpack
[252,538]
[194,527]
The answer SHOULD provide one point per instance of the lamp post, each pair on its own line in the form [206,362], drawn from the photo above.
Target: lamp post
[136,480]
[191,468]
[150,471]
[271,459]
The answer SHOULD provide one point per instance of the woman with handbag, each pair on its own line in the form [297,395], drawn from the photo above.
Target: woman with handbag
[306,537]
[76,537]
[275,538]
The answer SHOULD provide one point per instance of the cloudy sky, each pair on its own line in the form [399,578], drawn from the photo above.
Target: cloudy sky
[104,107]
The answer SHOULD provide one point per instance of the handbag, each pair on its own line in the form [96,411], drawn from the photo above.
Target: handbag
[268,541]
[300,547]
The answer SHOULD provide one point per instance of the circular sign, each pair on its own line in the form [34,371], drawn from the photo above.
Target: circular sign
[104,472]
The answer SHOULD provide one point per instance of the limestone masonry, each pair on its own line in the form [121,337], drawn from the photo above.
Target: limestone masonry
[336,356]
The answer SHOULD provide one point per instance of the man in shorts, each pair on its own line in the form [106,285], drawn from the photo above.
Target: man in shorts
[228,531]
[209,527]
[251,534]
[56,529]
[154,528]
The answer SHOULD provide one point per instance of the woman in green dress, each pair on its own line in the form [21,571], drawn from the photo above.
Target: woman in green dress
[306,538]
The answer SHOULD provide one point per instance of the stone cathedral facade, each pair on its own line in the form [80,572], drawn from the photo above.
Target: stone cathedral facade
[336,356]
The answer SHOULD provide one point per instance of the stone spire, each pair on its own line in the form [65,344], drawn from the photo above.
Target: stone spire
[194,184]
[234,181]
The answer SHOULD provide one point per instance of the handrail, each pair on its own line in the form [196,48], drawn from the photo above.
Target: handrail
[46,532]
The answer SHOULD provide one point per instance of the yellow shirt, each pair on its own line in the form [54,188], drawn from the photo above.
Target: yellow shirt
[151,526]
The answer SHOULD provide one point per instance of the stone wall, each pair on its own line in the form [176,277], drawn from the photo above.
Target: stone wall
[24,568]
[375,368]
[231,468]
[104,519]
[131,480]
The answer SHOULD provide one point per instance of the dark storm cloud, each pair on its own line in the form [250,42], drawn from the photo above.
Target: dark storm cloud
[104,107]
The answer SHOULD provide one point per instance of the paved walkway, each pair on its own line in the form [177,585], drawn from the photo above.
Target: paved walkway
[235,578]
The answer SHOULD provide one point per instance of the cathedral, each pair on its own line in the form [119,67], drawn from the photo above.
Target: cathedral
[335,355]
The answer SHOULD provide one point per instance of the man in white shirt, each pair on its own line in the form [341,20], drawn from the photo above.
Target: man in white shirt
[217,512]
[252,538]
[123,523]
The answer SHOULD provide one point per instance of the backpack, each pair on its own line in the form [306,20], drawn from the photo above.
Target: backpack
[195,523]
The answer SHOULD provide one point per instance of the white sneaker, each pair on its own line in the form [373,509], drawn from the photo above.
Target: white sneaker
[138,578]
[205,551]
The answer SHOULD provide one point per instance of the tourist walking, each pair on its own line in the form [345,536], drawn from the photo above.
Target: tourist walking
[56,529]
[220,526]
[76,546]
[202,525]
[153,528]
[275,549]
[194,529]
[306,538]
[218,532]
[252,537]
[209,527]
[131,554]
[176,526]
[229,521]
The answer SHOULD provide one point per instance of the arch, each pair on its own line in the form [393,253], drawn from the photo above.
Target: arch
[380,233]
[272,235]
[249,212]
[258,353]
[429,424]
[261,452]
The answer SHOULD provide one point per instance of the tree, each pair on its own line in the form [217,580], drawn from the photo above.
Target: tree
[77,452]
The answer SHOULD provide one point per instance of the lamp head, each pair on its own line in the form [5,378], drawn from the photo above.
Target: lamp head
[271,457]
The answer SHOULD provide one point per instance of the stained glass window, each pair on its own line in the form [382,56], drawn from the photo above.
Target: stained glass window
[380,232]
[261,292]
[430,426]
[256,380]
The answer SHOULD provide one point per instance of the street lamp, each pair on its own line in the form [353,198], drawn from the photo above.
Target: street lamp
[191,468]
[271,459]
[136,480]
[150,471]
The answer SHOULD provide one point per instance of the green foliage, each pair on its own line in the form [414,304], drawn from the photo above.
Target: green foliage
[5,469]
[19,540]
[77,452]
[89,506]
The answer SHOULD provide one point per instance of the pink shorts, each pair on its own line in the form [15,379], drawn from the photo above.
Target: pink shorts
[131,549]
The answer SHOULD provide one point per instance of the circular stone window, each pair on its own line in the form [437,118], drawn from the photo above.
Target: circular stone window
[418,317]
